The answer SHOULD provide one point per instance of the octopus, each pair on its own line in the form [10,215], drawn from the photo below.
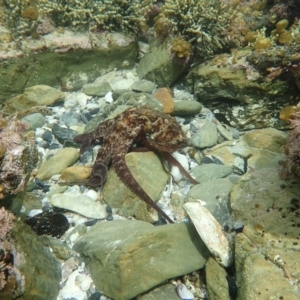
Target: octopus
[145,126]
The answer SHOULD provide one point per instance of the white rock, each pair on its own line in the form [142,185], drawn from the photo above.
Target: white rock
[34,212]
[183,292]
[182,159]
[85,284]
[131,75]
[71,290]
[55,177]
[217,241]
[82,99]
[51,120]
[39,132]
[39,139]
[108,97]
[79,203]
[168,189]
[123,84]
[92,194]
[92,105]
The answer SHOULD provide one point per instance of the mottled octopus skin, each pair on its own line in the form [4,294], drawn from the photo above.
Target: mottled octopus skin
[155,130]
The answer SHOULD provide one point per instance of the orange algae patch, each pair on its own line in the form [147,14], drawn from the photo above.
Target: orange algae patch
[164,96]
[287,112]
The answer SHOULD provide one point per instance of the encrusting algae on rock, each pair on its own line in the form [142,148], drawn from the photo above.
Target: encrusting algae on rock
[17,158]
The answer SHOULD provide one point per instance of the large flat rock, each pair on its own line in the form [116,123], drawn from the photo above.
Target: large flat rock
[127,258]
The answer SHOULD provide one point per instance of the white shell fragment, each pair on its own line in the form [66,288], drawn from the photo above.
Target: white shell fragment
[183,292]
[182,159]
[211,232]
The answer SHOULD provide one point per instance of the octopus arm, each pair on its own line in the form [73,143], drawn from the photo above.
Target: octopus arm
[88,139]
[177,164]
[122,170]
[99,170]
[85,140]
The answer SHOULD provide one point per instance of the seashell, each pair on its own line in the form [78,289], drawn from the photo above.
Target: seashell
[71,290]
[183,292]
[92,194]
[182,159]
[108,98]
[34,212]
[211,232]
[85,284]
[68,267]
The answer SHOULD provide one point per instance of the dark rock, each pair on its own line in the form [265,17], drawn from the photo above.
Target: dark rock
[90,222]
[95,296]
[49,223]
[54,146]
[47,136]
[64,135]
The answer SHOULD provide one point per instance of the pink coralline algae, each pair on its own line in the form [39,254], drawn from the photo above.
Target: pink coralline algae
[17,156]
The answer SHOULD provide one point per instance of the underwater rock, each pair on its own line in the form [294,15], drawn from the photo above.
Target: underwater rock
[217,241]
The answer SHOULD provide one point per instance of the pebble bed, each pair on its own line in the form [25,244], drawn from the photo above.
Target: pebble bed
[67,120]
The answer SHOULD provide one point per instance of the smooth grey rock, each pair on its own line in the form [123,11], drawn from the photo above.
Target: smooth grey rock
[215,194]
[97,89]
[57,163]
[147,170]
[35,120]
[206,172]
[127,258]
[186,108]
[217,285]
[81,204]
[123,84]
[206,137]
[69,118]
[144,86]
[224,133]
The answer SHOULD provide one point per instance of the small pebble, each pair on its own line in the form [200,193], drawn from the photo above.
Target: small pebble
[95,296]
[92,194]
